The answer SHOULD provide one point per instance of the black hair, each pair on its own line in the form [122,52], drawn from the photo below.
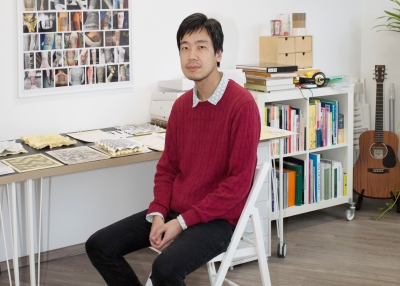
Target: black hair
[197,22]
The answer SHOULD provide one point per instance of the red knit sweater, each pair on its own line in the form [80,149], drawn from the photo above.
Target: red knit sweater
[207,167]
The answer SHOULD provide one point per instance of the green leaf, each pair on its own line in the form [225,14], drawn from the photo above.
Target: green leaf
[380,209]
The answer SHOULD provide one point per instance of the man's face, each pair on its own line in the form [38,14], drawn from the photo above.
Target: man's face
[198,59]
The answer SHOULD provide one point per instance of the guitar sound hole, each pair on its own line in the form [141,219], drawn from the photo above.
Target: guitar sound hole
[378,150]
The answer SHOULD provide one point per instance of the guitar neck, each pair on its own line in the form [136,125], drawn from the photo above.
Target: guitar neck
[379,113]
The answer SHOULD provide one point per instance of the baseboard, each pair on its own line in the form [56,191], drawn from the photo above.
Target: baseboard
[47,256]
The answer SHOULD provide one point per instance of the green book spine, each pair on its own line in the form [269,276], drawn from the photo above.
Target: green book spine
[326,183]
[299,180]
[335,182]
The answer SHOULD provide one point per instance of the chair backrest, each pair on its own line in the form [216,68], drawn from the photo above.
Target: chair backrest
[257,248]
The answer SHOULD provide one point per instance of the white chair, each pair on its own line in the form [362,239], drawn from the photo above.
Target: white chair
[256,246]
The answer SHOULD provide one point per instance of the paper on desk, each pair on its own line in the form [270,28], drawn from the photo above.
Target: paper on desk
[268,132]
[155,141]
[92,136]
[4,169]
[31,163]
[10,147]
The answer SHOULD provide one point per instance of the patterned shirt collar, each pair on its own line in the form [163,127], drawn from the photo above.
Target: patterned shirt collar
[216,96]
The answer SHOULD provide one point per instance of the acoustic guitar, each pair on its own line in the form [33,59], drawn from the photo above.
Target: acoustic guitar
[377,169]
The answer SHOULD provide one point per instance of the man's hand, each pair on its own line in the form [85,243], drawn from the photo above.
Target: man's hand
[156,237]
[163,235]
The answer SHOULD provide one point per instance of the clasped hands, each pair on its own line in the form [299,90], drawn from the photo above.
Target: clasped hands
[163,234]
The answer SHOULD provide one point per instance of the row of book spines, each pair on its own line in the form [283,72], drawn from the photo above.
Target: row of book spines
[295,186]
[288,118]
[159,122]
[326,123]
[326,178]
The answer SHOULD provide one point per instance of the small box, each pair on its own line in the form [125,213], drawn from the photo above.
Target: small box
[160,112]
[183,84]
[165,95]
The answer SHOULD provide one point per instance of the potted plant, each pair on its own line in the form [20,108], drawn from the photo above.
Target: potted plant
[392,18]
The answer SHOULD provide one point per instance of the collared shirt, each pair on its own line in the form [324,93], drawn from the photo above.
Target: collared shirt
[216,96]
[214,99]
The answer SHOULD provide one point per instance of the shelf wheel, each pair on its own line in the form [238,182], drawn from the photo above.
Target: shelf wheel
[351,212]
[281,250]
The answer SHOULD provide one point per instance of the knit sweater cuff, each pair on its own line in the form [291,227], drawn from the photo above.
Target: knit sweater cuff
[156,208]
[191,217]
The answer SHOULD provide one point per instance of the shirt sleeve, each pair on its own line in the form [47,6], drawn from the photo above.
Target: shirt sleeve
[149,217]
[233,191]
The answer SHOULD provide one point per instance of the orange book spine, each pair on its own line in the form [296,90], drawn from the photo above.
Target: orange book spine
[291,187]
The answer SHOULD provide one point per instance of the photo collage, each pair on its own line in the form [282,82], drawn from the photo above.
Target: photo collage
[75,43]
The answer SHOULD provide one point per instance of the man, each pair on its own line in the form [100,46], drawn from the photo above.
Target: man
[203,177]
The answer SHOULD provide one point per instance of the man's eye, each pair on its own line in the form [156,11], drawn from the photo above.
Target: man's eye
[201,47]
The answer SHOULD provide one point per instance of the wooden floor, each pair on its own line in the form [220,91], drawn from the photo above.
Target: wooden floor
[323,249]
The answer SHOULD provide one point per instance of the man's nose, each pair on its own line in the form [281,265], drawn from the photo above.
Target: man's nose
[193,54]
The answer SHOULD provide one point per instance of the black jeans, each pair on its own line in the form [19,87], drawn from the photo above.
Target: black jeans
[193,248]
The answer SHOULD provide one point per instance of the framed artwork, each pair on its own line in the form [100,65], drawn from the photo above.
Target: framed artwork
[73,45]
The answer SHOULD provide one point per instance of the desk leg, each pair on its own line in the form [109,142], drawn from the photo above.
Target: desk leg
[31,230]
[4,236]
[281,245]
[15,232]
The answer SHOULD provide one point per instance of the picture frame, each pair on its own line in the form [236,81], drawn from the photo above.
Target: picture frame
[70,46]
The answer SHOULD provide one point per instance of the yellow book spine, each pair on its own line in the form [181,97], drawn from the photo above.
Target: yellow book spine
[345,184]
[312,136]
[265,116]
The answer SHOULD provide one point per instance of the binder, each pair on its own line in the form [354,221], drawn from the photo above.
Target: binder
[291,186]
[299,182]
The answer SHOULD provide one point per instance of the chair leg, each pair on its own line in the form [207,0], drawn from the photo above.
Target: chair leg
[260,248]
[211,271]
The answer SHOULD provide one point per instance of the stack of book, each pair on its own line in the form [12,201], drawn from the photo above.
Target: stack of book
[269,77]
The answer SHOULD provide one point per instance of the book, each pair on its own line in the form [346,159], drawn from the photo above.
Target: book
[300,198]
[284,186]
[312,136]
[340,128]
[268,67]
[274,81]
[334,108]
[273,75]
[311,184]
[299,184]
[326,170]
[268,88]
[291,187]
[336,178]
[344,184]
[317,174]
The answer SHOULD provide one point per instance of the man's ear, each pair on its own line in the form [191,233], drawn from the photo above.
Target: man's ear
[218,56]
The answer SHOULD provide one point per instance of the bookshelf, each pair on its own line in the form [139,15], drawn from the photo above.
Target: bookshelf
[340,152]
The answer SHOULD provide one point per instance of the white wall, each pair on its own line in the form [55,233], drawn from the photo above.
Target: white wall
[82,203]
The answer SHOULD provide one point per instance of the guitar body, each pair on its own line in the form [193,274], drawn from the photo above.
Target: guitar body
[377,177]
